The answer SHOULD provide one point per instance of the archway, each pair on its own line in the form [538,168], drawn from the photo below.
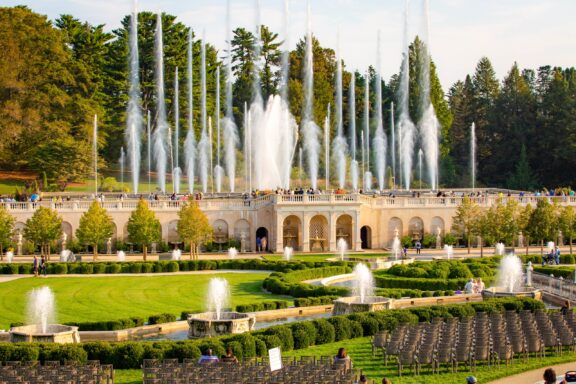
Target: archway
[242,234]
[291,232]
[394,226]
[171,233]
[318,233]
[67,229]
[262,240]
[437,226]
[366,237]
[344,229]
[416,228]
[220,234]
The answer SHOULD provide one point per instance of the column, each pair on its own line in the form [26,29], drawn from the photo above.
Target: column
[332,232]
[279,233]
[305,232]
[356,242]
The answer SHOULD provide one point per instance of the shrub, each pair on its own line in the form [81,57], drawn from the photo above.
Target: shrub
[183,350]
[284,333]
[261,347]
[246,341]
[6,350]
[325,332]
[99,268]
[25,352]
[128,355]
[342,327]
[459,271]
[172,267]
[68,352]
[86,268]
[100,350]
[135,267]
[25,269]
[113,268]
[154,350]
[147,268]
[304,334]
[215,345]
[161,318]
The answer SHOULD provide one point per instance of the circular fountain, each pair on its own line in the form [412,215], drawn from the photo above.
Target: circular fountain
[510,281]
[40,312]
[217,322]
[362,299]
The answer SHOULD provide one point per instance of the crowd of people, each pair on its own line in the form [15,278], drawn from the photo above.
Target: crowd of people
[552,257]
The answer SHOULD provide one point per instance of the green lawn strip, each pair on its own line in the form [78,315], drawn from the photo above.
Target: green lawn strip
[360,351]
[82,299]
[127,376]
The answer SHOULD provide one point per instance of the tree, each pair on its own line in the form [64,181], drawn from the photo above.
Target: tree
[95,227]
[270,53]
[522,179]
[523,222]
[465,218]
[6,228]
[193,227]
[44,227]
[543,222]
[481,227]
[143,226]
[567,223]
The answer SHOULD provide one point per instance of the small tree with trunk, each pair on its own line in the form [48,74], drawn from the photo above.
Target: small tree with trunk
[481,227]
[543,223]
[95,227]
[44,227]
[463,221]
[523,222]
[6,228]
[193,227]
[567,223]
[143,227]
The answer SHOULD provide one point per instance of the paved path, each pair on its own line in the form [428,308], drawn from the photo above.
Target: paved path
[534,376]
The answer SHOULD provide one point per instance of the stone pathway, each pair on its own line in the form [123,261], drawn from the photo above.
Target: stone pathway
[534,376]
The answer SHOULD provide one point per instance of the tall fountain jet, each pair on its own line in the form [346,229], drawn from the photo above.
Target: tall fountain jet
[161,133]
[428,125]
[352,119]
[95,152]
[339,144]
[175,147]
[366,147]
[134,114]
[190,142]
[218,170]
[393,140]
[204,145]
[406,129]
[122,161]
[473,155]
[379,142]
[310,130]
[327,148]
[230,129]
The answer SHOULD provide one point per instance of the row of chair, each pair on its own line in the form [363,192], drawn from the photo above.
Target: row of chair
[31,372]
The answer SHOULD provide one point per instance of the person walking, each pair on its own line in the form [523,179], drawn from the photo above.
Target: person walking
[43,262]
[258,244]
[557,255]
[418,247]
[264,243]
[35,266]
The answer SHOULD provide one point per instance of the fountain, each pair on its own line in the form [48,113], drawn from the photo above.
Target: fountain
[367,176]
[339,147]
[161,132]
[499,249]
[342,248]
[362,299]
[232,253]
[176,254]
[473,156]
[218,321]
[380,142]
[9,256]
[121,256]
[510,281]
[40,315]
[204,144]
[550,246]
[352,120]
[66,255]
[396,246]
[288,251]
[190,141]
[133,112]
[449,251]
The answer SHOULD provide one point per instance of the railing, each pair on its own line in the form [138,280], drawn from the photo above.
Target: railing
[556,285]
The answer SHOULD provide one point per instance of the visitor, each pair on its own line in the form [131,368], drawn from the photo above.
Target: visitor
[35,266]
[469,287]
[386,381]
[549,376]
[471,380]
[480,286]
[229,357]
[418,247]
[557,255]
[208,357]
[264,243]
[405,252]
[343,358]
[258,245]
[363,379]
[43,262]
[566,308]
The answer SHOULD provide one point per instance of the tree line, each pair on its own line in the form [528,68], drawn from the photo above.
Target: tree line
[58,75]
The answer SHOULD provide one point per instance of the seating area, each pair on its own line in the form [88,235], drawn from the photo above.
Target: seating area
[491,339]
[32,372]
[307,369]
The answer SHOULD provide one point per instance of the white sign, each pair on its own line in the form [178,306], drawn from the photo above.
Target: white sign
[275,358]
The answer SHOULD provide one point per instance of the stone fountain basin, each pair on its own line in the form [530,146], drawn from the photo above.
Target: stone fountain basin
[208,325]
[503,292]
[348,305]
[55,333]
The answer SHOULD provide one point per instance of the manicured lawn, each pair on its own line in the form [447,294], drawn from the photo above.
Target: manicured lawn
[360,352]
[115,297]
[127,376]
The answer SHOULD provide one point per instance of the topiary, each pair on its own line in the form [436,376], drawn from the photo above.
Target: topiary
[325,332]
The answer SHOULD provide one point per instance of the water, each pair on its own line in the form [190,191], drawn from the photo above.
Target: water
[310,131]
[40,309]
[95,152]
[510,274]
[204,145]
[550,246]
[499,249]
[161,132]
[393,139]
[406,129]
[342,248]
[176,145]
[420,155]
[352,118]
[367,175]
[65,255]
[9,256]
[339,146]
[176,254]
[149,139]
[396,247]
[190,141]
[380,142]
[473,155]
[120,256]
[133,112]
[288,251]
[176,175]
[327,148]
[232,253]
[363,282]
[218,170]
[218,296]
[449,251]
[367,181]
[122,162]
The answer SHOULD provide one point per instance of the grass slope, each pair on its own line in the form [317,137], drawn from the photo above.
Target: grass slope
[115,297]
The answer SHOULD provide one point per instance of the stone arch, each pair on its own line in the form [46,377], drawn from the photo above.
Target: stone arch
[67,229]
[171,232]
[241,228]
[344,229]
[319,234]
[366,237]
[292,232]
[394,224]
[262,239]
[416,228]
[437,223]
[220,234]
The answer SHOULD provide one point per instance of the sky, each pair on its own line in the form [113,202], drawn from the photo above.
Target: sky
[530,32]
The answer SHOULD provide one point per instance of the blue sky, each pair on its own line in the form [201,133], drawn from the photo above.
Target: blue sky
[531,32]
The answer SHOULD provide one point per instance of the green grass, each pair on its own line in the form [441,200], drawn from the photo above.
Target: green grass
[109,298]
[127,376]
[360,351]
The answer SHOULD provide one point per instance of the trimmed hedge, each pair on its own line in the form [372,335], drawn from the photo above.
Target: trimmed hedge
[112,325]
[564,272]
[424,284]
[129,355]
[290,283]
[311,301]
[162,318]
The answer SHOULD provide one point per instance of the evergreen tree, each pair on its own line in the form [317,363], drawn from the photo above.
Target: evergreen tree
[143,226]
[193,227]
[95,227]
[43,228]
[522,179]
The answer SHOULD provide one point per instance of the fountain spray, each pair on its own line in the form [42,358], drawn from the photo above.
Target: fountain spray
[339,144]
[175,146]
[204,144]
[379,137]
[352,109]
[367,174]
[95,150]
[218,170]
[473,155]
[190,142]
[161,132]
[230,129]
[133,111]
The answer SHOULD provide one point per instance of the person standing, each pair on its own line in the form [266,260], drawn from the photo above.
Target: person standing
[258,244]
[35,266]
[557,255]
[43,262]
[264,243]
[418,247]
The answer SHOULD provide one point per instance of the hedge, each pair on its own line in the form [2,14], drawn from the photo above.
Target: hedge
[424,284]
[58,268]
[311,301]
[537,259]
[564,272]
[290,283]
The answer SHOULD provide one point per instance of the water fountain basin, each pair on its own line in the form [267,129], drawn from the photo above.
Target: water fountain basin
[207,324]
[353,304]
[55,333]
[494,292]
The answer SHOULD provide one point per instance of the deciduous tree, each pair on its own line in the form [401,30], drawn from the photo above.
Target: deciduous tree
[43,228]
[95,227]
[143,226]
[193,227]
